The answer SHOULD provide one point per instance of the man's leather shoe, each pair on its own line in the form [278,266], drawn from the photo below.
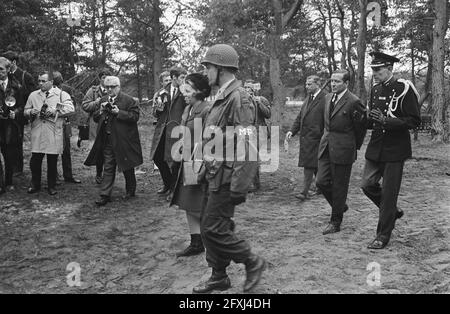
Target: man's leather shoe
[377,245]
[346,208]
[400,213]
[72,180]
[52,192]
[99,179]
[102,201]
[195,248]
[302,197]
[191,250]
[163,191]
[254,268]
[33,190]
[219,284]
[332,228]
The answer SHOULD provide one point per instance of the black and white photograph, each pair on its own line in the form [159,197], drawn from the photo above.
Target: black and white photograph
[225,153]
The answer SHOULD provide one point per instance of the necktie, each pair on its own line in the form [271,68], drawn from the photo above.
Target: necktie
[46,94]
[310,101]
[332,104]
[174,93]
[111,100]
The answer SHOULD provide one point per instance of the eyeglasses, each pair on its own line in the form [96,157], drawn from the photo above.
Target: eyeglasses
[42,81]
[111,86]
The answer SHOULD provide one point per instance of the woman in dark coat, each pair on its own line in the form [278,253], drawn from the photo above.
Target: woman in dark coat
[191,198]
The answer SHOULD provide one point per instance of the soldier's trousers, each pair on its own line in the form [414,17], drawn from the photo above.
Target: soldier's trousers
[385,196]
[333,180]
[217,230]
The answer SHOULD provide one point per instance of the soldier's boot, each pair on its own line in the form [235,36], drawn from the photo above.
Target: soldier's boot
[195,248]
[219,281]
[254,266]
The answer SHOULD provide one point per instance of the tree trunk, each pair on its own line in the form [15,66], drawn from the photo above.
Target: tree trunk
[94,32]
[138,75]
[342,31]
[429,80]
[157,44]
[332,39]
[104,39]
[361,43]
[325,41]
[275,70]
[439,122]
[351,39]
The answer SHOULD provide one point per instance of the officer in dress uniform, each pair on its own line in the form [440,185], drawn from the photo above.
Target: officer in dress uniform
[393,111]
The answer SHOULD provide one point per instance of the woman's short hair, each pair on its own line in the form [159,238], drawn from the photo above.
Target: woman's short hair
[199,82]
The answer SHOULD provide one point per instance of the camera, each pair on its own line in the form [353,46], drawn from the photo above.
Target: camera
[5,110]
[44,109]
[108,107]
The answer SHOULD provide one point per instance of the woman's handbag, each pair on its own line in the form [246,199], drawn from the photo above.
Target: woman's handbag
[193,170]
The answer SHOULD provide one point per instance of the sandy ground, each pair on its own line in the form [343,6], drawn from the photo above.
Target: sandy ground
[130,247]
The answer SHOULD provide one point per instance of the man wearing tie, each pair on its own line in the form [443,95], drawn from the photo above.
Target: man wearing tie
[310,124]
[343,136]
[169,116]
[46,109]
[117,141]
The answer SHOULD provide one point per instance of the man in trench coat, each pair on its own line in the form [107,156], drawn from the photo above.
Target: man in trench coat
[46,108]
[117,140]
[309,124]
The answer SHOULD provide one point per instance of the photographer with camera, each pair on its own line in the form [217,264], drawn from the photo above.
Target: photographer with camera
[117,141]
[46,108]
[263,114]
[91,104]
[11,120]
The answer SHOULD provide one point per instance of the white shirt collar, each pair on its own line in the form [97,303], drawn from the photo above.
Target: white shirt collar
[339,96]
[5,81]
[316,93]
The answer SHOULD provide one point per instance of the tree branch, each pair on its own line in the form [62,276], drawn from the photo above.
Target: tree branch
[287,18]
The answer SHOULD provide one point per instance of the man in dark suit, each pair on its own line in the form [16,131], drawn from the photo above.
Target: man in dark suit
[12,104]
[168,112]
[343,136]
[394,110]
[117,140]
[310,124]
[28,85]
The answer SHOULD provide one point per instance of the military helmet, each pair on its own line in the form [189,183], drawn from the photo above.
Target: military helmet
[222,55]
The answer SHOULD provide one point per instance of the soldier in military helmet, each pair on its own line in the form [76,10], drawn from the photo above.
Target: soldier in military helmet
[393,111]
[228,178]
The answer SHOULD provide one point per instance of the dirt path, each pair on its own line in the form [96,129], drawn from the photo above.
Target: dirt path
[130,247]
